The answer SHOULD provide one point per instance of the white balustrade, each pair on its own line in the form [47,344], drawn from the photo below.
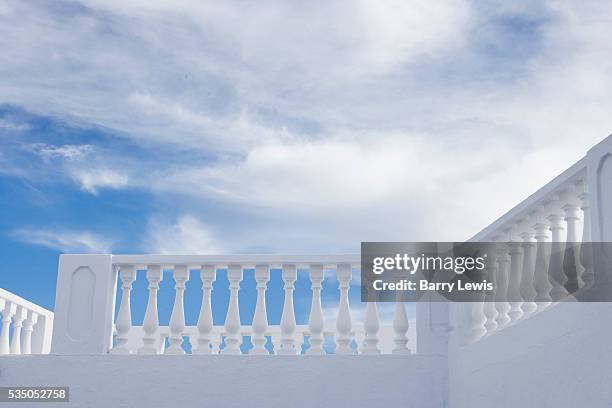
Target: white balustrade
[529,276]
[31,326]
[286,337]
[536,274]
[554,261]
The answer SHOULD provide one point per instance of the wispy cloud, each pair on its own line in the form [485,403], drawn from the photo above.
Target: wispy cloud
[64,241]
[94,180]
[7,125]
[187,235]
[65,152]
[84,164]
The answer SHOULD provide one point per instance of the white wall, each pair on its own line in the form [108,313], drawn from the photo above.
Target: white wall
[233,381]
[559,358]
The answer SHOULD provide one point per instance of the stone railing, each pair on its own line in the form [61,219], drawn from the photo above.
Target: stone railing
[86,304]
[542,251]
[31,326]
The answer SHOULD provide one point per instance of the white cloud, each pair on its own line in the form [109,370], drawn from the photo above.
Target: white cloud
[217,62]
[335,173]
[66,152]
[65,241]
[322,125]
[186,236]
[95,179]
[367,35]
[80,163]
[12,126]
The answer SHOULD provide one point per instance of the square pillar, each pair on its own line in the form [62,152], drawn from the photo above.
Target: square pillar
[84,305]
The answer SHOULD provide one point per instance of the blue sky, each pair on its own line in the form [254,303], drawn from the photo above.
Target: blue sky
[208,127]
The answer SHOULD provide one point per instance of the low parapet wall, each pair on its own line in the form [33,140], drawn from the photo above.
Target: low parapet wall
[560,358]
[234,381]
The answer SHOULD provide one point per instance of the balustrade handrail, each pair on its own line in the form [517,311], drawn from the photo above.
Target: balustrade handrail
[18,300]
[245,260]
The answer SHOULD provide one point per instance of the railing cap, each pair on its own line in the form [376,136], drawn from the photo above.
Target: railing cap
[245,260]
[19,301]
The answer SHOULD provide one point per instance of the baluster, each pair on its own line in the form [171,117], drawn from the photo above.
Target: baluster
[233,337]
[150,324]
[287,341]
[586,250]
[514,279]
[8,312]
[177,319]
[540,272]
[490,311]
[555,267]
[18,319]
[260,318]
[528,292]
[501,294]
[371,323]
[343,322]
[205,320]
[400,327]
[28,328]
[571,265]
[316,323]
[476,318]
[124,319]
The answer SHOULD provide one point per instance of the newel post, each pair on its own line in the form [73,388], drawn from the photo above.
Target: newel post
[598,199]
[84,305]
[599,174]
